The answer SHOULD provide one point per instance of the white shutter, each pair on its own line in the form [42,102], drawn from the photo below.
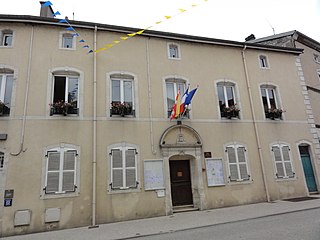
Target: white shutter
[69,163]
[287,161]
[242,163]
[117,168]
[130,160]
[53,172]
[278,161]
[234,175]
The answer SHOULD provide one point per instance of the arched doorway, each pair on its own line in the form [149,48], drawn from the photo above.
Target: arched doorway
[304,150]
[181,148]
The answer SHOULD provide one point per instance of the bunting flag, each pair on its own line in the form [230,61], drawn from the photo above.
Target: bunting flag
[46,4]
[167,17]
[176,107]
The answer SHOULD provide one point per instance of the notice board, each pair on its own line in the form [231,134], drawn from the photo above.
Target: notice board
[215,172]
[153,174]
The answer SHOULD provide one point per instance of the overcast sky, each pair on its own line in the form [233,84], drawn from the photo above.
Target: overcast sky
[223,19]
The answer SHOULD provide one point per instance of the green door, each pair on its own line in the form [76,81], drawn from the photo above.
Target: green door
[308,170]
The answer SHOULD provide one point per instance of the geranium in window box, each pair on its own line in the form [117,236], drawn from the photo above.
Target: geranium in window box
[274,113]
[231,112]
[4,110]
[61,108]
[122,109]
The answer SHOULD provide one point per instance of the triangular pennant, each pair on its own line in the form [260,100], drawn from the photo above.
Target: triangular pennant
[91,51]
[140,32]
[56,14]
[167,17]
[194,5]
[131,34]
[63,21]
[116,42]
[123,38]
[82,41]
[85,46]
[159,22]
[46,4]
[181,10]
[70,29]
[76,35]
[109,45]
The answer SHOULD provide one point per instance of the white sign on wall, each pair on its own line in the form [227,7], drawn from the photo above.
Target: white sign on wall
[153,174]
[215,172]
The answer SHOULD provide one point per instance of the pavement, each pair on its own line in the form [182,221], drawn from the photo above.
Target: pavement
[178,221]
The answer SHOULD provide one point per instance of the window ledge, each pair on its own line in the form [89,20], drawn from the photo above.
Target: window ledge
[58,195]
[125,190]
[285,179]
[238,182]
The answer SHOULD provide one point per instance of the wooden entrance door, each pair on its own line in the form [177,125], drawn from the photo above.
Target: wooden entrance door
[180,178]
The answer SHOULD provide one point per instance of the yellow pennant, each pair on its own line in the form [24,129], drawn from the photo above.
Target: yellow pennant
[159,22]
[109,45]
[123,38]
[116,42]
[131,34]
[194,5]
[181,10]
[167,17]
[140,32]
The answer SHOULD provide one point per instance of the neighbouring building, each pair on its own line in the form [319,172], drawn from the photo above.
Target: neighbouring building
[310,66]
[86,139]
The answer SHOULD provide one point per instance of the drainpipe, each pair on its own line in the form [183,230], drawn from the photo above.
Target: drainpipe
[26,97]
[154,152]
[94,147]
[255,123]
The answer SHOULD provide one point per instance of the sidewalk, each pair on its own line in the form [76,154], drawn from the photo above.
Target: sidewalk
[176,222]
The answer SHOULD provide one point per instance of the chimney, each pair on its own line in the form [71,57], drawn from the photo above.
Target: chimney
[46,11]
[250,37]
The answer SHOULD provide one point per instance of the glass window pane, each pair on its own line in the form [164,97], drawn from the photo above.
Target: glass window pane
[8,90]
[115,91]
[173,51]
[264,99]
[7,40]
[170,95]
[67,41]
[272,98]
[230,97]
[127,85]
[222,102]
[181,87]
[59,89]
[73,91]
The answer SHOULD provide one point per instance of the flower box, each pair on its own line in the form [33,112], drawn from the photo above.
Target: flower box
[62,108]
[274,113]
[4,110]
[230,112]
[121,109]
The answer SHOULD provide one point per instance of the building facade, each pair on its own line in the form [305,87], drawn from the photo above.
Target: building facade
[86,139]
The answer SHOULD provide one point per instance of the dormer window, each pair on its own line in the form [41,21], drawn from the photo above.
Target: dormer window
[316,58]
[173,51]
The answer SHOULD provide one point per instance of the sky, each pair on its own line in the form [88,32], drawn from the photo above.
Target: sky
[222,19]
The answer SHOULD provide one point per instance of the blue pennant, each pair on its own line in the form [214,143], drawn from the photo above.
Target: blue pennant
[63,21]
[56,14]
[82,40]
[70,29]
[46,4]
[91,51]
[76,35]
[85,46]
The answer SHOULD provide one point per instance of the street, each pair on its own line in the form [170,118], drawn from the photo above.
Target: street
[302,225]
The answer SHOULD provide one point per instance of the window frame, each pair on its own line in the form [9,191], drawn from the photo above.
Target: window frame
[275,90]
[63,36]
[316,58]
[123,147]
[3,36]
[177,49]
[264,61]
[2,160]
[283,161]
[237,163]
[61,148]
[4,88]
[122,78]
[224,84]
[176,81]
[67,74]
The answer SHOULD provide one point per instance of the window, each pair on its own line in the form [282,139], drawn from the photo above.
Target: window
[238,169]
[61,170]
[67,41]
[316,58]
[173,51]
[65,96]
[318,73]
[282,161]
[122,95]
[123,168]
[270,104]
[172,87]
[1,160]
[6,38]
[6,85]
[227,100]
[263,61]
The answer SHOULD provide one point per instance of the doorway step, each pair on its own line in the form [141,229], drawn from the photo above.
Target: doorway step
[184,208]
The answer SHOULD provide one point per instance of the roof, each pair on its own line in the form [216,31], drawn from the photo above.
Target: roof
[149,33]
[296,35]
